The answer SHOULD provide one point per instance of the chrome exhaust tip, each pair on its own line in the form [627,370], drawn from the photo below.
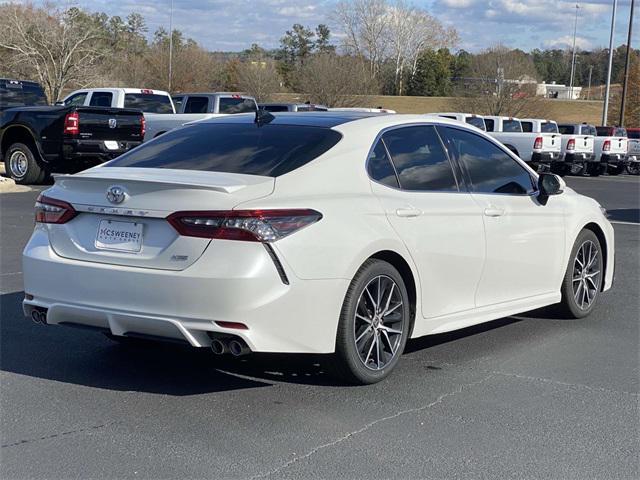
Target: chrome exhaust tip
[218,347]
[39,316]
[238,348]
[35,316]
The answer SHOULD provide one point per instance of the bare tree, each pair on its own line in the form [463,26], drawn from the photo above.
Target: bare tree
[259,77]
[502,82]
[364,23]
[335,81]
[59,47]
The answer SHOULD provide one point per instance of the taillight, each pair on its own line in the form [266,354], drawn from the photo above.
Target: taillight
[248,225]
[571,144]
[72,123]
[50,210]
[537,145]
[143,126]
[606,146]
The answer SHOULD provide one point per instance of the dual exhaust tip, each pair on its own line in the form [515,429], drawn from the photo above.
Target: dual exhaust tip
[39,316]
[234,346]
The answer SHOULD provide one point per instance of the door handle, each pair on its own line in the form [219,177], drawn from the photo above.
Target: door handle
[408,212]
[493,211]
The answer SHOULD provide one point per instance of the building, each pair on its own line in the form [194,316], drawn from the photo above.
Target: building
[555,90]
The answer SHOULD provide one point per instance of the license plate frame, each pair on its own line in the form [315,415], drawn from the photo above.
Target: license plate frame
[111,145]
[112,235]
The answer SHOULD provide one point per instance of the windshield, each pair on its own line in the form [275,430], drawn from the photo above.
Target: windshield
[268,150]
[511,126]
[477,122]
[148,102]
[549,127]
[18,94]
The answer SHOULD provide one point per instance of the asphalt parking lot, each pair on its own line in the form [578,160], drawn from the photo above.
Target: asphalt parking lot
[522,397]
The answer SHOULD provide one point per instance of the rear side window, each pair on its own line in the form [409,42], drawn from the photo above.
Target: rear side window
[148,102]
[236,105]
[511,126]
[420,159]
[548,127]
[268,150]
[490,169]
[526,126]
[101,99]
[380,168]
[17,94]
[567,129]
[196,105]
[477,122]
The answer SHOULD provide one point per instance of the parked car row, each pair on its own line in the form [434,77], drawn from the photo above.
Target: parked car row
[94,125]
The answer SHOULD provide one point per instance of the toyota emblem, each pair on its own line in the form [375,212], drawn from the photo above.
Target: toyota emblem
[116,194]
[113,123]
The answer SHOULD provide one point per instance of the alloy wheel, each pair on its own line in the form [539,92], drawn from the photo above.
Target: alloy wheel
[586,275]
[379,322]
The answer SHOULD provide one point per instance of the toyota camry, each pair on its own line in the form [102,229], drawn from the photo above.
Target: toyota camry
[334,233]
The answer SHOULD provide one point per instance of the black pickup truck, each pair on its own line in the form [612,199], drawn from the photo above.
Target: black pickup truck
[36,141]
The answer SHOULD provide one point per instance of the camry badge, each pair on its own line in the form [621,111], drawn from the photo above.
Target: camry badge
[116,194]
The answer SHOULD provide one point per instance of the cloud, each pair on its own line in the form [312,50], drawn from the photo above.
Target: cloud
[566,41]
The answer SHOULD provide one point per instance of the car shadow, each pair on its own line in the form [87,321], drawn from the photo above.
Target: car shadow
[631,215]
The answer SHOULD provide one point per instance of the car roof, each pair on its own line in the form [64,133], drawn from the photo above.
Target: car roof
[28,82]
[312,119]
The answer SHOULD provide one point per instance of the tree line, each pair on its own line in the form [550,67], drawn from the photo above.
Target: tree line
[388,47]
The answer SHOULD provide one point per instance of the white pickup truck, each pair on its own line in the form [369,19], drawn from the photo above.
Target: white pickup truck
[147,100]
[577,147]
[192,107]
[535,148]
[633,151]
[470,118]
[610,150]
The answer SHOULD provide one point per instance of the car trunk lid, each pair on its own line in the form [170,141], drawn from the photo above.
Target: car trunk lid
[116,203]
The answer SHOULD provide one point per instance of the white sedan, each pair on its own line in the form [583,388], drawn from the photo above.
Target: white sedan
[329,232]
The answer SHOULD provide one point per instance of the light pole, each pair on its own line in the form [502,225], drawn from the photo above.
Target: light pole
[170,44]
[605,110]
[573,56]
[589,90]
[625,82]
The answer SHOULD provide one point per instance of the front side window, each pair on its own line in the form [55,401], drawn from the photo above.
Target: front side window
[420,159]
[380,168]
[490,169]
[76,100]
[177,102]
[267,150]
[101,99]
[196,105]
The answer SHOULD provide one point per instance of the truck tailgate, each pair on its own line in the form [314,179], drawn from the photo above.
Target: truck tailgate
[115,124]
[551,142]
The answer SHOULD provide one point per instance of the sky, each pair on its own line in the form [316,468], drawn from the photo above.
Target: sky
[233,25]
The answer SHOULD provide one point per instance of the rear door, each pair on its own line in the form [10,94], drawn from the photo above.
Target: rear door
[439,223]
[524,240]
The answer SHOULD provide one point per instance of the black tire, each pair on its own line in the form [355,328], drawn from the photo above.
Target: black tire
[633,168]
[29,172]
[594,169]
[560,169]
[578,169]
[347,362]
[573,304]
[614,169]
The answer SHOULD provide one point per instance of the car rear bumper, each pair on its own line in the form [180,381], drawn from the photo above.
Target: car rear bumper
[300,317]
[546,157]
[613,158]
[579,157]
[96,151]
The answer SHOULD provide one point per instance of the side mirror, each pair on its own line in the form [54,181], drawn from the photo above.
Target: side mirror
[59,102]
[549,184]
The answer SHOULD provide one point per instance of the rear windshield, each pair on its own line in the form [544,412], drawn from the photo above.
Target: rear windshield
[236,105]
[620,132]
[148,102]
[275,108]
[477,122]
[604,131]
[511,126]
[588,130]
[16,94]
[633,133]
[567,129]
[549,127]
[268,150]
